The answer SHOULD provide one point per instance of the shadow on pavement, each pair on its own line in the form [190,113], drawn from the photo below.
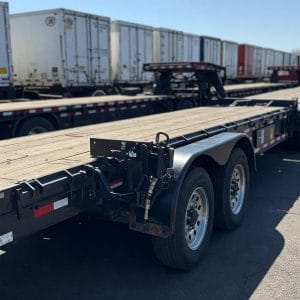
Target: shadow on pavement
[92,259]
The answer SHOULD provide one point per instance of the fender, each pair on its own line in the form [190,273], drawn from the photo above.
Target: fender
[218,147]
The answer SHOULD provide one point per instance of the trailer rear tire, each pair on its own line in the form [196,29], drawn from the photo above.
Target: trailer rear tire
[232,189]
[185,104]
[98,93]
[34,126]
[193,223]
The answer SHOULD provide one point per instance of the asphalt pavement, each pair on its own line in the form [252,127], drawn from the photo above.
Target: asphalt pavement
[91,259]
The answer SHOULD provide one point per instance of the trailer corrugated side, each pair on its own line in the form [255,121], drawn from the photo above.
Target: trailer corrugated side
[245,60]
[191,47]
[294,60]
[6,73]
[61,47]
[210,50]
[286,59]
[267,60]
[229,58]
[131,47]
[264,66]
[168,45]
[270,58]
[257,71]
[278,61]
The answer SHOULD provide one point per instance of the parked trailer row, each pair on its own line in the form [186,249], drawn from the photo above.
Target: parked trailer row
[253,61]
[172,175]
[88,54]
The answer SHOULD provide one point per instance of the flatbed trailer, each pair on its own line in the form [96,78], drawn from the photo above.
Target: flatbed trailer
[248,89]
[30,117]
[171,175]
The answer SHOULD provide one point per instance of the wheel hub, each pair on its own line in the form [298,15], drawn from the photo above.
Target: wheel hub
[237,189]
[196,218]
[192,217]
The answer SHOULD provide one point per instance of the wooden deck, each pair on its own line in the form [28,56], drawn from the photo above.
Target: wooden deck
[287,94]
[29,157]
[14,106]
[242,86]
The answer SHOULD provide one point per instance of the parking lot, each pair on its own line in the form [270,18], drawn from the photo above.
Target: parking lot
[90,259]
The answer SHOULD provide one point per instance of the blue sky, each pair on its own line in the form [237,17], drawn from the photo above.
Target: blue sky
[267,23]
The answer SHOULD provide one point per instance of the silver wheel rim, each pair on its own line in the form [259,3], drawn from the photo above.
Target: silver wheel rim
[237,189]
[36,130]
[196,218]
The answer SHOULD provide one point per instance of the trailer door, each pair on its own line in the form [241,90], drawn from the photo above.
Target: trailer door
[145,53]
[76,49]
[99,51]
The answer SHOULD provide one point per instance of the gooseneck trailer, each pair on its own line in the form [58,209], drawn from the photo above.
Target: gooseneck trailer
[171,175]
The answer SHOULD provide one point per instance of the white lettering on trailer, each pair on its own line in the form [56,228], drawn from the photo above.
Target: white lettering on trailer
[78,113]
[77,106]
[90,105]
[92,111]
[133,106]
[62,108]
[6,238]
[123,108]
[47,109]
[32,111]
[60,203]
[63,115]
[111,109]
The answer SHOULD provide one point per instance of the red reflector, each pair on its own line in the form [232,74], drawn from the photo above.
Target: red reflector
[43,210]
[115,183]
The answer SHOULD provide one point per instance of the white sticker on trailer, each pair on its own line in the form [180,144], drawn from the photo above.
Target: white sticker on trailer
[6,238]
[60,203]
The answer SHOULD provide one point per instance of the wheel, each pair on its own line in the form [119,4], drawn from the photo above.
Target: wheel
[185,104]
[98,93]
[193,223]
[232,191]
[34,126]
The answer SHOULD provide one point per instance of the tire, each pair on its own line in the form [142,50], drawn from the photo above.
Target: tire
[34,126]
[184,249]
[98,93]
[232,189]
[185,104]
